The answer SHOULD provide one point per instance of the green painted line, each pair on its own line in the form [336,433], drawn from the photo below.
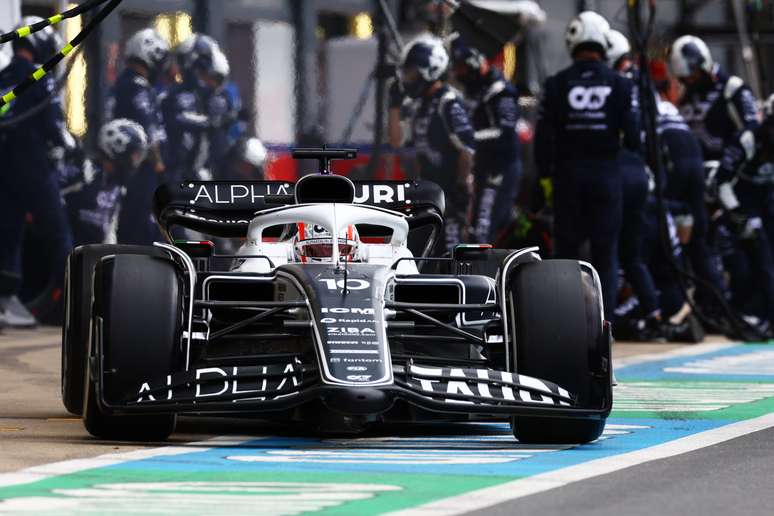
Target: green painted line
[415,489]
[737,412]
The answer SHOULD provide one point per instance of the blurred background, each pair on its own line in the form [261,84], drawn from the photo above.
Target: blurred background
[302,66]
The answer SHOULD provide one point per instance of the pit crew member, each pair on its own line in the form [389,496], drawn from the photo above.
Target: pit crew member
[441,133]
[495,115]
[587,110]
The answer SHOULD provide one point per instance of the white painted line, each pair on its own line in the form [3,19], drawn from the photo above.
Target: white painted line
[44,471]
[487,497]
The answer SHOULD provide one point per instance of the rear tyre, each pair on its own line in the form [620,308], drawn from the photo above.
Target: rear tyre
[75,331]
[558,334]
[136,327]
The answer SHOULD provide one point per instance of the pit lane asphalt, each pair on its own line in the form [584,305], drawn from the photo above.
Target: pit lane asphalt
[733,477]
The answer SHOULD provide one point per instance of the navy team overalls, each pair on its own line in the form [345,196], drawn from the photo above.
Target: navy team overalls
[723,115]
[28,181]
[185,112]
[93,202]
[685,184]
[440,130]
[135,98]
[635,187]
[498,161]
[585,110]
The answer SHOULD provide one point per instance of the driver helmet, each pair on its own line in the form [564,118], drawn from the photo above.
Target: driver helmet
[314,243]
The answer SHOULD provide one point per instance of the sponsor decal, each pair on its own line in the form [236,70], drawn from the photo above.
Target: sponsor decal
[380,194]
[350,330]
[233,193]
[496,385]
[359,377]
[337,310]
[212,382]
[333,320]
[357,368]
[593,97]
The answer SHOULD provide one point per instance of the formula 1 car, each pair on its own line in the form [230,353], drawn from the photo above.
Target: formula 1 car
[331,311]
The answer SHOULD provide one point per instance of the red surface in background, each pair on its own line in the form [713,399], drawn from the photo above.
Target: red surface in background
[282,167]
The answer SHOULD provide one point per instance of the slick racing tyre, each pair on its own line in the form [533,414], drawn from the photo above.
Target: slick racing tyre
[75,331]
[558,330]
[136,330]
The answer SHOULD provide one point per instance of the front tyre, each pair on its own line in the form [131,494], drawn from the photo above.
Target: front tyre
[135,332]
[559,336]
[79,271]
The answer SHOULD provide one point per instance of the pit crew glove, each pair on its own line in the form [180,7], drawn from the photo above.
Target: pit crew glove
[744,226]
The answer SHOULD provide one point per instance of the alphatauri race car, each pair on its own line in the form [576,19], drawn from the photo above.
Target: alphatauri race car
[331,311]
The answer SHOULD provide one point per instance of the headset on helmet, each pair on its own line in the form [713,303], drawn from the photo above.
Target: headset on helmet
[43,44]
[430,60]
[124,142]
[618,47]
[148,47]
[315,243]
[690,54]
[768,106]
[220,67]
[588,29]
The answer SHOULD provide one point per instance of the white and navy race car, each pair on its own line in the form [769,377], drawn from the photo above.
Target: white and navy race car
[331,311]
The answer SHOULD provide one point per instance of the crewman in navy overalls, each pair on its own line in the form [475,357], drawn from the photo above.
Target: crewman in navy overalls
[722,111]
[587,111]
[94,191]
[441,133]
[195,108]
[29,183]
[635,190]
[134,98]
[495,116]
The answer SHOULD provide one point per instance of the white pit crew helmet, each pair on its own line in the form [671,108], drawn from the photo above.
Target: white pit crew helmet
[587,28]
[314,243]
[254,152]
[148,47]
[689,54]
[618,46]
[123,140]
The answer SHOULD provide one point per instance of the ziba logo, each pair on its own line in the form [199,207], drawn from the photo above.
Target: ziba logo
[594,97]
